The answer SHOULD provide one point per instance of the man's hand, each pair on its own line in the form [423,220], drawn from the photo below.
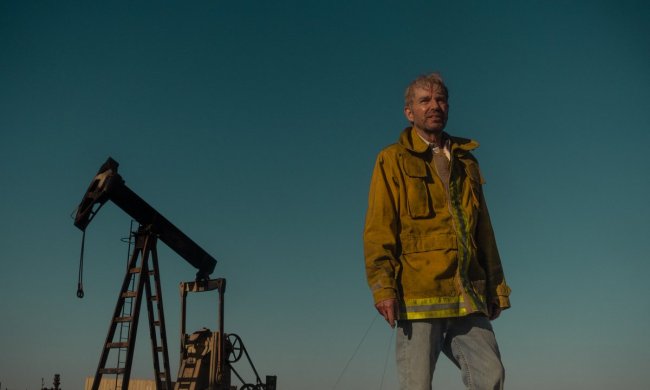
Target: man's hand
[388,309]
[494,311]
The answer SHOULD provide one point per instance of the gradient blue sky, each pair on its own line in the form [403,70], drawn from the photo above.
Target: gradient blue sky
[253,126]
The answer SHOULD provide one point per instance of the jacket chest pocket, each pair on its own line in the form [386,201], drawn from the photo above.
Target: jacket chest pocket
[416,177]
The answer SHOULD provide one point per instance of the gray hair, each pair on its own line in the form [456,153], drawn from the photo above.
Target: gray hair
[427,81]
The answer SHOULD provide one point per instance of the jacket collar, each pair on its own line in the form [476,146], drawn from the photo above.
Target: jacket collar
[412,141]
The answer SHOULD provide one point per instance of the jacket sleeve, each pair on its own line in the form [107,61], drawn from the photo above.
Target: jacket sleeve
[488,256]
[380,233]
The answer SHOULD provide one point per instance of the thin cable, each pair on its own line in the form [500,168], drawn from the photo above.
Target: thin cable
[355,351]
[383,375]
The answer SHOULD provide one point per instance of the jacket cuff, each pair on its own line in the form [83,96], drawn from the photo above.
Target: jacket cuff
[384,294]
[501,296]
[503,301]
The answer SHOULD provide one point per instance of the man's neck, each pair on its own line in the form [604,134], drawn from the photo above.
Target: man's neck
[431,137]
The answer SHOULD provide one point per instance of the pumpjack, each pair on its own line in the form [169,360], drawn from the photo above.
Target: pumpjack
[206,357]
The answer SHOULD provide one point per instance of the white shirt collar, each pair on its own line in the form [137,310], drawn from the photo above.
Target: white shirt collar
[445,148]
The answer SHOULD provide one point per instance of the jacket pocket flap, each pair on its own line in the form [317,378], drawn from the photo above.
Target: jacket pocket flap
[414,167]
[421,243]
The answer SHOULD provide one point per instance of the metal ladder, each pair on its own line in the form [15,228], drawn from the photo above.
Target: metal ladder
[127,311]
[127,314]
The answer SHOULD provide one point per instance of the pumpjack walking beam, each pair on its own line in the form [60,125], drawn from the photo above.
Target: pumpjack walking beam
[109,185]
[144,253]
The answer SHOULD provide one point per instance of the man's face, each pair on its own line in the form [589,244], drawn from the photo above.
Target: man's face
[429,109]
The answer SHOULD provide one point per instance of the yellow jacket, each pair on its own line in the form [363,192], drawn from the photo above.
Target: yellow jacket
[437,256]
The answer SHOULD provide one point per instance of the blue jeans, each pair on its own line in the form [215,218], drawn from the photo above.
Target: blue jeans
[468,341]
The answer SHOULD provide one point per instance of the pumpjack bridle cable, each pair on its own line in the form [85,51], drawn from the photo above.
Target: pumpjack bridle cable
[80,284]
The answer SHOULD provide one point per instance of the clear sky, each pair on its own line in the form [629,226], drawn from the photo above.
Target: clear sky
[253,126]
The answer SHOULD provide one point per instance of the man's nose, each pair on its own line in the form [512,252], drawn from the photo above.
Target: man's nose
[435,105]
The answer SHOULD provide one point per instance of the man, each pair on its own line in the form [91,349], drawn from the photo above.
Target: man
[431,256]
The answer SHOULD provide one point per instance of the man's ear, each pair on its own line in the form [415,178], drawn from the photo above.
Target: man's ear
[408,113]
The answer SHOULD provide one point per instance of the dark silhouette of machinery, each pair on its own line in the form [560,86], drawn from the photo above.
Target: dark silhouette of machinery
[206,357]
[56,383]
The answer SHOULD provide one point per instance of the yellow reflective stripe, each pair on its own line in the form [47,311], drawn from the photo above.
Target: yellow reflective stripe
[461,311]
[441,307]
[433,301]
